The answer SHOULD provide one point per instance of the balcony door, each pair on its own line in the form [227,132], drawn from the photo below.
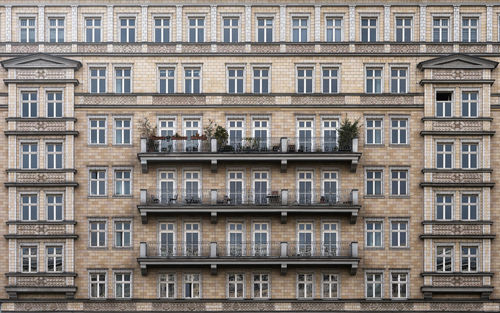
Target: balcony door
[192,191]
[305,239]
[329,242]
[329,186]
[236,131]
[192,128]
[235,188]
[166,128]
[260,239]
[235,235]
[329,135]
[192,243]
[261,133]
[167,187]
[305,187]
[260,187]
[167,239]
[305,135]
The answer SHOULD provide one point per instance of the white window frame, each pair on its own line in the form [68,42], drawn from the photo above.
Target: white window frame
[236,78]
[265,17]
[398,233]
[444,153]
[469,204]
[306,172]
[469,102]
[452,111]
[478,27]
[305,68]
[123,129]
[30,204]
[192,67]
[21,257]
[305,282]
[90,221]
[342,22]
[261,231]
[98,169]
[330,283]
[122,233]
[241,231]
[93,28]
[47,204]
[184,282]
[300,27]
[398,128]
[119,29]
[444,194]
[398,68]
[260,282]
[162,28]
[374,129]
[123,67]
[89,130]
[404,16]
[166,283]
[30,92]
[374,231]
[29,154]
[469,154]
[199,180]
[54,256]
[441,27]
[167,68]
[231,17]
[399,180]
[57,27]
[338,78]
[27,17]
[382,182]
[98,67]
[377,272]
[196,27]
[95,272]
[263,67]
[399,282]
[377,27]
[115,180]
[452,257]
[374,67]
[469,256]
[123,282]
[235,283]
[54,91]
[254,128]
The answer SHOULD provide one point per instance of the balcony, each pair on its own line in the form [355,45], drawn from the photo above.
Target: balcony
[186,149]
[214,201]
[282,254]
[464,283]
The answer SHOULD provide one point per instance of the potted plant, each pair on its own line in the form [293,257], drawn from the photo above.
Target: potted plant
[214,130]
[176,136]
[199,137]
[347,132]
[147,129]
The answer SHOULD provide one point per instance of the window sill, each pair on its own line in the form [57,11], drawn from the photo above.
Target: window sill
[123,197]
[397,145]
[124,248]
[373,197]
[399,248]
[374,145]
[97,248]
[97,197]
[399,197]
[374,248]
[98,145]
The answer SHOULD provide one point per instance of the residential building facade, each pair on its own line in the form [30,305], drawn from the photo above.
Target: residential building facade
[249,156]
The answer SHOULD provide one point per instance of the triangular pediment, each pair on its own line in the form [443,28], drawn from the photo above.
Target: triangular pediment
[40,60]
[458,61]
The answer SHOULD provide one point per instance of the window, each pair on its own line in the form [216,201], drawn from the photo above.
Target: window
[265,29]
[236,235]
[260,187]
[235,190]
[440,29]
[330,286]
[235,80]
[29,207]
[97,80]
[97,236]
[230,29]
[97,285]
[192,239]
[123,130]
[330,80]
[261,80]
[444,259]
[333,29]
[261,133]
[54,156]
[374,231]
[123,285]
[127,29]
[329,186]
[56,29]
[235,286]
[304,80]
[167,80]
[54,207]
[167,285]
[196,29]
[300,27]
[304,286]
[305,187]
[443,104]
[470,104]
[168,246]
[93,29]
[399,79]
[261,286]
[123,182]
[167,185]
[470,29]
[374,285]
[368,29]
[374,182]
[192,128]
[123,80]
[329,133]
[167,127]
[374,131]
[305,235]
[192,287]
[29,104]
[27,29]
[444,155]
[123,234]
[97,182]
[162,29]
[54,104]
[444,207]
[399,182]
[403,29]
[469,155]
[329,240]
[399,131]
[236,131]
[29,156]
[399,234]
[373,80]
[469,259]
[399,285]
[260,234]
[54,259]
[192,81]
[97,131]
[470,207]
[29,259]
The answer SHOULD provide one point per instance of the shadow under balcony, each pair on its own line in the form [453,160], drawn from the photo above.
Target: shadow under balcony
[467,284]
[281,254]
[282,150]
[215,202]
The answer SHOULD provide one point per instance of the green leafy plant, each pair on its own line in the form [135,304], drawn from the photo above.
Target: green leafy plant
[214,130]
[347,132]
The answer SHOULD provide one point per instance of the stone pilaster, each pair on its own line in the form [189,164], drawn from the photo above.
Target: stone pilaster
[110,23]
[456,23]
[41,23]
[317,23]
[248,23]
[74,23]
[213,23]
[178,13]
[352,22]
[387,22]
[144,24]
[423,23]
[8,23]
[489,23]
[282,22]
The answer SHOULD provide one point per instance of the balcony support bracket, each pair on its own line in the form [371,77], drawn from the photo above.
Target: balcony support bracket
[354,217]
[213,269]
[354,269]
[284,217]
[283,268]
[213,217]
[144,217]
[283,166]
[144,270]
[144,165]
[213,166]
[354,165]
